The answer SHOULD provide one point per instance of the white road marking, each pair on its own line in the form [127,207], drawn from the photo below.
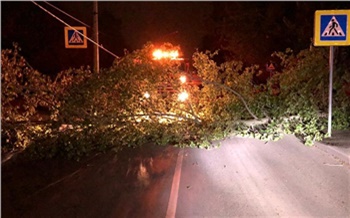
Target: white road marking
[171,211]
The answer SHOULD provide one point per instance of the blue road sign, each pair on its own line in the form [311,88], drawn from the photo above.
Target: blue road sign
[332,27]
[74,38]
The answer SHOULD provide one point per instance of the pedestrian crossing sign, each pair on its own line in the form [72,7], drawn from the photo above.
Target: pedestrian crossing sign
[74,37]
[332,27]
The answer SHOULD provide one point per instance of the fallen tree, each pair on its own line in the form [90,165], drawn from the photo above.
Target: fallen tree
[124,105]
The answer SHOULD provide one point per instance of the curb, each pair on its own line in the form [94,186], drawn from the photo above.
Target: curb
[333,151]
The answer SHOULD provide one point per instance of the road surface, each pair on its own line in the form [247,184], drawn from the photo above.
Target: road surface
[242,178]
[248,178]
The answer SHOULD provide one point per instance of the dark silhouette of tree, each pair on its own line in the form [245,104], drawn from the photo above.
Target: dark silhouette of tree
[251,31]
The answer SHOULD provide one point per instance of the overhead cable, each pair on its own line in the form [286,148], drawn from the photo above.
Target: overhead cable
[92,41]
[63,12]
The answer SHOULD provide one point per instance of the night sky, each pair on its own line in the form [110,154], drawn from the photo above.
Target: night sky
[250,30]
[121,24]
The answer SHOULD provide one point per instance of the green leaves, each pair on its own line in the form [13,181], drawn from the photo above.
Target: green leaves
[86,112]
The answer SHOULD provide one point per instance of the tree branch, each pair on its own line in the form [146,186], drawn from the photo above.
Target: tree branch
[231,90]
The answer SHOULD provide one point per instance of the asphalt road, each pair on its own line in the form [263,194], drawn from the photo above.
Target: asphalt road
[242,178]
[248,178]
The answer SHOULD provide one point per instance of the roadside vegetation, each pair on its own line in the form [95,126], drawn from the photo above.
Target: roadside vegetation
[141,100]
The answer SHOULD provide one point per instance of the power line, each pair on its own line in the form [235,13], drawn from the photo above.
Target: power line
[65,13]
[92,41]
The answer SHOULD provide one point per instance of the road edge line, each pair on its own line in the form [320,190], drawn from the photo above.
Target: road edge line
[172,204]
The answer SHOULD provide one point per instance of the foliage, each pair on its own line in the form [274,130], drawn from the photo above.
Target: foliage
[88,112]
[30,101]
[94,111]
[23,91]
[297,97]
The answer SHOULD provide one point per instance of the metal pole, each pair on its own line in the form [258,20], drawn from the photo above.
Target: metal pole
[331,55]
[95,37]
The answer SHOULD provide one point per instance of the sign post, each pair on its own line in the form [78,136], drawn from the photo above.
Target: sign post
[331,28]
[331,58]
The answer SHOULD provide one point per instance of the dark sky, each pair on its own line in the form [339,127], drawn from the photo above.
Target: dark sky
[177,22]
[251,31]
[121,24]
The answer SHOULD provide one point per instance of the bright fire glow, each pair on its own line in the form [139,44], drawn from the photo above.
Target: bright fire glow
[159,54]
[183,79]
[183,96]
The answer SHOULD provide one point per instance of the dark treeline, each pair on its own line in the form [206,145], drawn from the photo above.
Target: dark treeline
[251,31]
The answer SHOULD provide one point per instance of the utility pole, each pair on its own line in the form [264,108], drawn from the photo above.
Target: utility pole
[95,38]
